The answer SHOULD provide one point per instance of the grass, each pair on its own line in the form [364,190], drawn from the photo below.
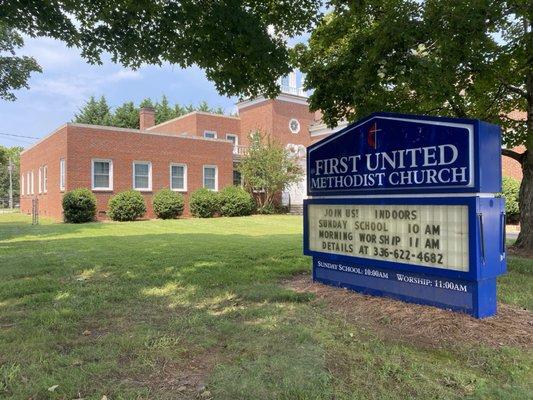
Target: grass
[160,309]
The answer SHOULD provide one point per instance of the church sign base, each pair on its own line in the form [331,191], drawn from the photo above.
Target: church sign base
[477,298]
[397,210]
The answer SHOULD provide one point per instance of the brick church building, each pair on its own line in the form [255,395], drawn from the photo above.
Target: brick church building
[184,154]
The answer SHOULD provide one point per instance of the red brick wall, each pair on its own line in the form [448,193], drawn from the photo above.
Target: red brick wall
[272,117]
[256,117]
[47,153]
[511,167]
[185,124]
[221,125]
[283,112]
[123,147]
[195,124]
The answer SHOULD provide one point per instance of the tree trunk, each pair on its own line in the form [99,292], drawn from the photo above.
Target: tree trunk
[524,243]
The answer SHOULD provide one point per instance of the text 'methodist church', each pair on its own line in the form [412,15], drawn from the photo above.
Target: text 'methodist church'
[184,154]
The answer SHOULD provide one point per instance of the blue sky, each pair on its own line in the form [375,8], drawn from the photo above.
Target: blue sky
[67,81]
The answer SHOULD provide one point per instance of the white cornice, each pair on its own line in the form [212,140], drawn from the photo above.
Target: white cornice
[290,98]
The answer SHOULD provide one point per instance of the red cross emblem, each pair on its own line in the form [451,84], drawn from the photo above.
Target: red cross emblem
[372,137]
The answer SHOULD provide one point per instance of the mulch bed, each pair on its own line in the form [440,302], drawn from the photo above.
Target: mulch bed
[424,325]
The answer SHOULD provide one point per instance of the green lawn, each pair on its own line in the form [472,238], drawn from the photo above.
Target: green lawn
[160,309]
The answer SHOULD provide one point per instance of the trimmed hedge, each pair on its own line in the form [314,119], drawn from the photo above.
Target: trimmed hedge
[510,191]
[168,204]
[126,206]
[235,202]
[205,203]
[79,205]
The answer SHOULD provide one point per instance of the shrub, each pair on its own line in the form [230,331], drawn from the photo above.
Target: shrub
[267,209]
[205,203]
[168,204]
[235,201]
[79,205]
[510,191]
[126,206]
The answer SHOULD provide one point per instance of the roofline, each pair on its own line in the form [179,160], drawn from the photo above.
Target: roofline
[44,138]
[116,129]
[146,132]
[287,97]
[192,113]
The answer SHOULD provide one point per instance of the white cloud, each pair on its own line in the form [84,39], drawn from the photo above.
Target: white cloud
[124,74]
[51,53]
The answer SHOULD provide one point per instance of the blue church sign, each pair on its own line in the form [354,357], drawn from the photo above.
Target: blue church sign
[404,206]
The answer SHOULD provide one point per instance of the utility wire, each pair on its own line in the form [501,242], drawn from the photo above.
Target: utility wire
[20,136]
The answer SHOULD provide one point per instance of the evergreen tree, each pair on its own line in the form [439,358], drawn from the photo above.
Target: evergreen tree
[179,110]
[94,112]
[204,107]
[126,116]
[163,112]
[146,103]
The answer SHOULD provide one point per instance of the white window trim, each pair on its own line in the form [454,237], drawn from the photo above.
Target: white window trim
[102,189]
[28,184]
[184,176]
[149,188]
[32,183]
[233,135]
[216,176]
[45,179]
[62,174]
[22,183]
[39,187]
[214,132]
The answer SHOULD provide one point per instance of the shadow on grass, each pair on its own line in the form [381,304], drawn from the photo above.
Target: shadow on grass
[141,316]
[146,301]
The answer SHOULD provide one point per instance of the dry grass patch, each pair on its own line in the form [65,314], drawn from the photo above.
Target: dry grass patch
[424,325]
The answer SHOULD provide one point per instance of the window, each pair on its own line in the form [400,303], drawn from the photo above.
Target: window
[234,139]
[22,192]
[178,177]
[294,125]
[28,183]
[237,178]
[62,174]
[40,180]
[210,177]
[45,179]
[210,134]
[32,183]
[102,175]
[142,175]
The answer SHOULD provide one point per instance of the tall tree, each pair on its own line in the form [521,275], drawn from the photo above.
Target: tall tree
[230,40]
[267,169]
[7,153]
[94,112]
[126,116]
[179,110]
[453,58]
[146,103]
[163,111]
[204,107]
[14,71]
